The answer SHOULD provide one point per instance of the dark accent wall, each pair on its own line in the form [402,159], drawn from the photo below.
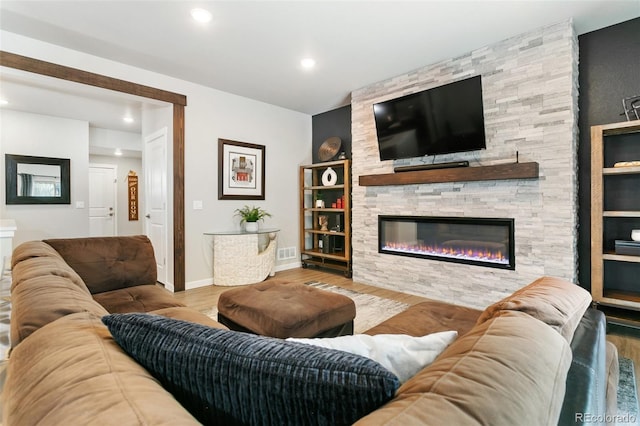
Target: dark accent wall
[609,71]
[336,122]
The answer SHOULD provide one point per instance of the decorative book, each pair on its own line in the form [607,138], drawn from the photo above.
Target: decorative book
[628,247]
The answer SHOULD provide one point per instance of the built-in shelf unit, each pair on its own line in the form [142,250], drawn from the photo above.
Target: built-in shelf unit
[326,246]
[615,211]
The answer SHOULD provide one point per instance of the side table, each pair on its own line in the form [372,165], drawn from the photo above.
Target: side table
[241,258]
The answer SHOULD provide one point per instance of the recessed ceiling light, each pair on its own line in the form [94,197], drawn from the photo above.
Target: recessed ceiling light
[4,102]
[201,15]
[117,152]
[127,119]
[308,63]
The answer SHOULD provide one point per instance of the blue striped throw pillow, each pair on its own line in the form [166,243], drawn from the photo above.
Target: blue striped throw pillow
[227,377]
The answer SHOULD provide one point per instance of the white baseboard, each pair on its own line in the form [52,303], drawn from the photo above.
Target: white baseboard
[286,266]
[209,281]
[199,283]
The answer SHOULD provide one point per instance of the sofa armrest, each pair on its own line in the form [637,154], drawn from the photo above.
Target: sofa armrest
[585,396]
[109,263]
[509,370]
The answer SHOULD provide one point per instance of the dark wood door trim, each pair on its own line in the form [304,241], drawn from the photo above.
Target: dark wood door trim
[178,198]
[36,66]
[50,69]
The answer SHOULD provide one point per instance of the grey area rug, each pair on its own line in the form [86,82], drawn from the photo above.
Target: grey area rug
[627,393]
[370,310]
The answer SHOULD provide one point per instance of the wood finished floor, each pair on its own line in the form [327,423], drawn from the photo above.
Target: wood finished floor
[627,340]
[205,297]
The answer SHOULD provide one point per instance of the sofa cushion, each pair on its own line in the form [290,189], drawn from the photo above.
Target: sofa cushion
[187,314]
[401,354]
[31,249]
[71,372]
[558,303]
[509,370]
[41,300]
[142,298]
[45,266]
[109,263]
[227,377]
[429,317]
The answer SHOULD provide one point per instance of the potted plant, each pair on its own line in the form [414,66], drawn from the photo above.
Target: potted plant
[250,217]
[319,200]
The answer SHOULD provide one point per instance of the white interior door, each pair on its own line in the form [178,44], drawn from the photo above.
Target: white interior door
[102,200]
[155,166]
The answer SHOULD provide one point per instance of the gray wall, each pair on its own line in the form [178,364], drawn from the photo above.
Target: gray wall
[38,135]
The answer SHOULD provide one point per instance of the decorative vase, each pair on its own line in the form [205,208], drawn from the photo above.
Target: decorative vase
[635,234]
[325,244]
[323,221]
[251,226]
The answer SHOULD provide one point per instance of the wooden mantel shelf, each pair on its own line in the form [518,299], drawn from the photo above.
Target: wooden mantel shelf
[460,174]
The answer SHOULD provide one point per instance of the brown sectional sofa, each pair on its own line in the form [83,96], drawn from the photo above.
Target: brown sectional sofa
[512,363]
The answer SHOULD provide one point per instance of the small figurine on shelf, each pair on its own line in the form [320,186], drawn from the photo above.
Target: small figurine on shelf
[631,107]
[323,221]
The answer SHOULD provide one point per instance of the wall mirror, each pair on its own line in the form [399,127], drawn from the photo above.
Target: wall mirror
[37,180]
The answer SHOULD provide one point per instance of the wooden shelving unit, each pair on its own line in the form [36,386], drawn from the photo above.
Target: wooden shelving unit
[615,210]
[329,248]
[528,170]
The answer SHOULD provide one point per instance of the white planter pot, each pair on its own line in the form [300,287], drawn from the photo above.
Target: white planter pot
[251,226]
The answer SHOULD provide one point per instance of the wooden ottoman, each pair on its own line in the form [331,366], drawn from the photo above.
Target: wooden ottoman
[284,309]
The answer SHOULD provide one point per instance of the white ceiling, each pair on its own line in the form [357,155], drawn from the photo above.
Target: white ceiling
[50,96]
[253,48]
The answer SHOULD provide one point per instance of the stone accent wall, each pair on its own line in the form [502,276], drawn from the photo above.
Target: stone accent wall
[530,94]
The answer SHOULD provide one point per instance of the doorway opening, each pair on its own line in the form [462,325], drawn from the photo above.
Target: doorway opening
[36,66]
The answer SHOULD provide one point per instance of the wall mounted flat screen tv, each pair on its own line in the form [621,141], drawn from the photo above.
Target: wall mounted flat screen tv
[440,120]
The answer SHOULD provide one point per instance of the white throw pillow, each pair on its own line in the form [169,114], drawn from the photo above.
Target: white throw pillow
[401,354]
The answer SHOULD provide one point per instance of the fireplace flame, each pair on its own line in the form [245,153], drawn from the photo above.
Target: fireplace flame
[465,253]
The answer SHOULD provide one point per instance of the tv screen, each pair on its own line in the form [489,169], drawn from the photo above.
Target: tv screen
[441,120]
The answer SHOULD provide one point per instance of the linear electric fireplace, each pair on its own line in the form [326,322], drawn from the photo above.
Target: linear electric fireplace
[475,241]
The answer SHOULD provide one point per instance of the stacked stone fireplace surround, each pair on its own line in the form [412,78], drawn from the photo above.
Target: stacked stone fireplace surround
[530,95]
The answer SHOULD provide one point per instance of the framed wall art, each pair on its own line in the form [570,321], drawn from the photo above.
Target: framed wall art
[132,186]
[240,170]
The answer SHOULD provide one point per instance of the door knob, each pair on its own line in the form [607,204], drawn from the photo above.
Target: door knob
[148,216]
